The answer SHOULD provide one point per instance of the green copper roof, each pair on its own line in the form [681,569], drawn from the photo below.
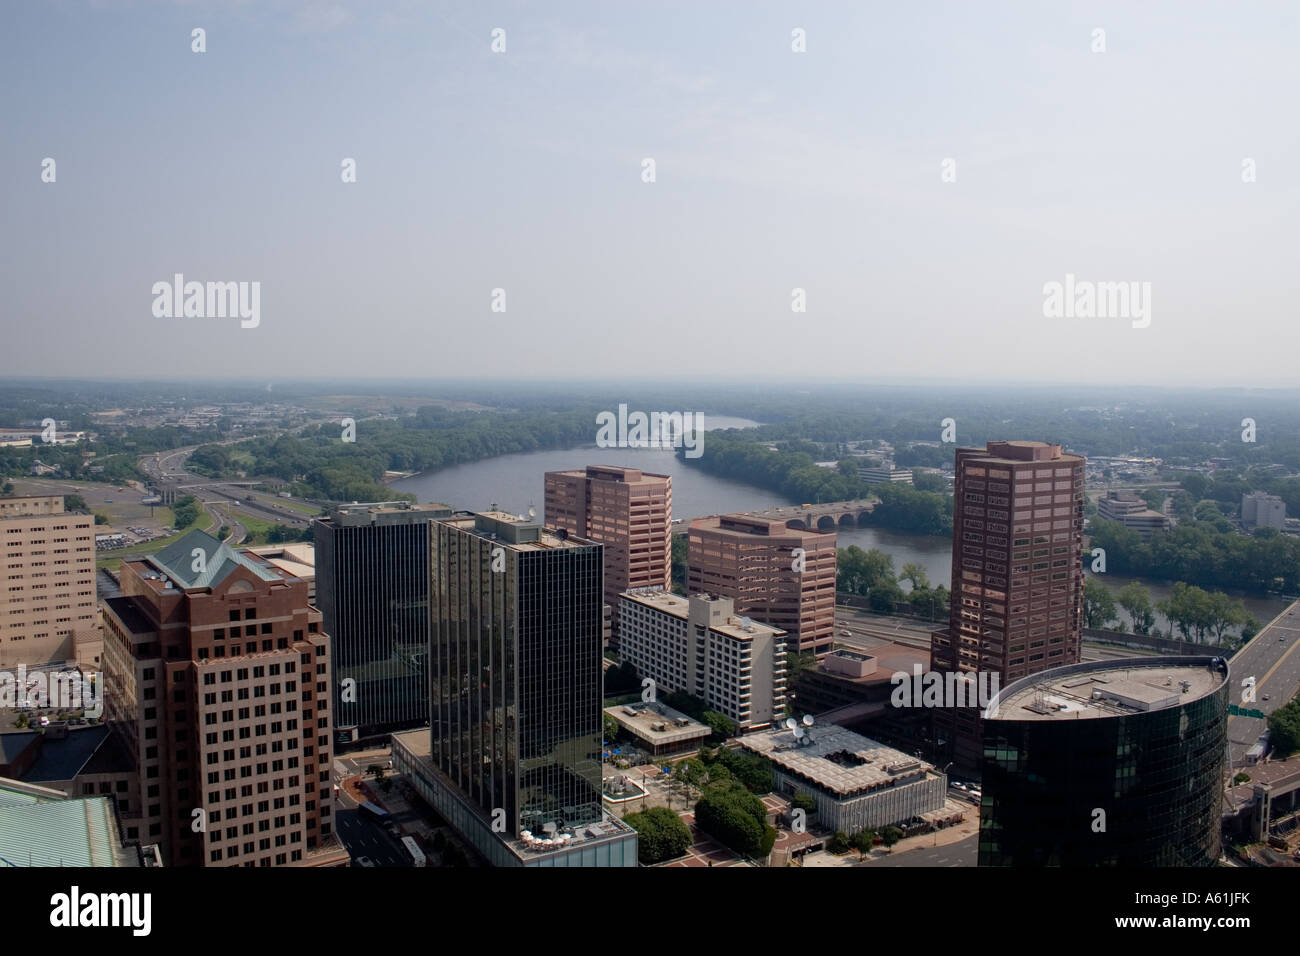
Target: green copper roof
[39,832]
[180,561]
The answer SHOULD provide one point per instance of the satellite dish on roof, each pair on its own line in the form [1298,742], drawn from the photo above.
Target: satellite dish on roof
[532,512]
[799,733]
[790,723]
[807,720]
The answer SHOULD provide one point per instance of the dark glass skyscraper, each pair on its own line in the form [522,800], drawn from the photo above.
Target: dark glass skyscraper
[372,587]
[515,671]
[1107,764]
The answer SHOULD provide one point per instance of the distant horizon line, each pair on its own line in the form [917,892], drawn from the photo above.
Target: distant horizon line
[588,383]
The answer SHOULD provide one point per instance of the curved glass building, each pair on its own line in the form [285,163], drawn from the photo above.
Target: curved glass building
[1107,764]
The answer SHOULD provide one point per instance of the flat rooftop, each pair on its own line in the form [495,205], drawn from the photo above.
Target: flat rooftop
[735,625]
[838,760]
[643,720]
[515,532]
[1098,689]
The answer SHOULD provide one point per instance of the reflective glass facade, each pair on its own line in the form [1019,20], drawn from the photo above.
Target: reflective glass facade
[372,587]
[1142,790]
[515,673]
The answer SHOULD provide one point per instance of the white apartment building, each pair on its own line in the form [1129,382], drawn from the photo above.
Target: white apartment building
[735,665]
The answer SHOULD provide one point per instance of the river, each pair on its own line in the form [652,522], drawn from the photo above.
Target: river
[516,482]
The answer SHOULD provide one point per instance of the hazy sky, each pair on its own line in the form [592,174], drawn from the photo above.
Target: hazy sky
[775,170]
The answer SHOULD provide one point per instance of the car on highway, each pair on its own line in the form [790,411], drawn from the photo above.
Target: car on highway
[1266,696]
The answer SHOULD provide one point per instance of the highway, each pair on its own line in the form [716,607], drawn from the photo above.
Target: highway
[217,497]
[1271,658]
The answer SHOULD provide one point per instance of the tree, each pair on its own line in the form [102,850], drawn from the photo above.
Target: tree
[1098,604]
[679,555]
[8,489]
[1249,628]
[886,597]
[691,772]
[1224,613]
[915,575]
[721,725]
[101,518]
[891,835]
[661,834]
[1189,608]
[1136,599]
[804,801]
[185,512]
[224,532]
[735,818]
[74,503]
[858,571]
[375,770]
[839,843]
[612,729]
[1284,729]
[864,840]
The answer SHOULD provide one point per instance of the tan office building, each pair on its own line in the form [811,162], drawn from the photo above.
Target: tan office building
[48,603]
[628,511]
[217,678]
[780,576]
[1017,574]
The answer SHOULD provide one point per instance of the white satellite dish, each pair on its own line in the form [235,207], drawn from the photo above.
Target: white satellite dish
[790,723]
[807,720]
[799,733]
[532,512]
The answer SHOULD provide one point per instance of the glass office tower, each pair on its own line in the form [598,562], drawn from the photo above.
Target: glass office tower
[515,670]
[372,587]
[1107,764]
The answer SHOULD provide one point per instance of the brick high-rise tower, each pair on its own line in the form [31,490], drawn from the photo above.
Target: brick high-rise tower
[628,511]
[217,679]
[1017,574]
